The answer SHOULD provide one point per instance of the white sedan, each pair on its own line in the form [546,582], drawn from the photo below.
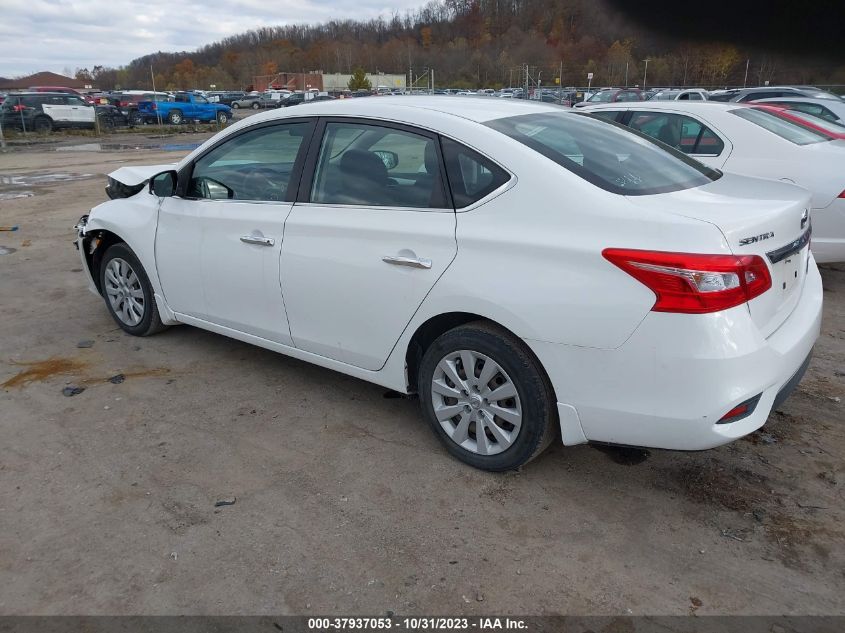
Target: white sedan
[530,273]
[736,138]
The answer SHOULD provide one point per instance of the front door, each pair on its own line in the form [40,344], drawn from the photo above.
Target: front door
[218,246]
[371,233]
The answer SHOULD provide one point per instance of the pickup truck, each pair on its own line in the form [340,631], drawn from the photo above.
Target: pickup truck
[186,107]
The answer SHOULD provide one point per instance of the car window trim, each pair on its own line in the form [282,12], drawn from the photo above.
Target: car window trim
[309,169]
[186,173]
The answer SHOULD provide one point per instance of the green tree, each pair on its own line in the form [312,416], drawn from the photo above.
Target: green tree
[359,80]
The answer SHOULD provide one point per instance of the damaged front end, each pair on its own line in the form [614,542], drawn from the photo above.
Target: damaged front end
[87,245]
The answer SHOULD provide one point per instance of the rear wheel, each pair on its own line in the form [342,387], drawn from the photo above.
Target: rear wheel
[42,124]
[486,397]
[136,118]
[255,106]
[175,117]
[127,291]
[235,106]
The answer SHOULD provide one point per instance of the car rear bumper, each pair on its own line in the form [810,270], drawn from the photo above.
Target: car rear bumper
[672,381]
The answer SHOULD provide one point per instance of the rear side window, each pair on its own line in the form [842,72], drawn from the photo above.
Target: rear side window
[609,156]
[787,130]
[471,175]
[679,131]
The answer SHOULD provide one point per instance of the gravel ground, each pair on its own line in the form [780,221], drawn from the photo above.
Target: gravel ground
[343,500]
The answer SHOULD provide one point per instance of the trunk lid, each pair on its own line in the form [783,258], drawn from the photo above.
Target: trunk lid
[756,217]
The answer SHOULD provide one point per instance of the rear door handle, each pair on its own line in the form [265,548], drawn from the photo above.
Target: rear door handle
[412,262]
[258,239]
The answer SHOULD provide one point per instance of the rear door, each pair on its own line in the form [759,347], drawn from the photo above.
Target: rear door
[370,234]
[57,108]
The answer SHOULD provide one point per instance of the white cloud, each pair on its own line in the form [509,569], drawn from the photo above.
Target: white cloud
[54,35]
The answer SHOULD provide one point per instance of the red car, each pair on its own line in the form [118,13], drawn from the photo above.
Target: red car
[817,124]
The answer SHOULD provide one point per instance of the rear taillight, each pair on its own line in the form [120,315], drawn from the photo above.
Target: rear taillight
[20,108]
[842,195]
[693,283]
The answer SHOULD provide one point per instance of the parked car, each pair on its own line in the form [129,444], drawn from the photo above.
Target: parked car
[612,95]
[770,92]
[227,98]
[829,109]
[62,89]
[828,128]
[746,140]
[527,271]
[44,111]
[255,102]
[692,94]
[110,117]
[186,106]
[127,101]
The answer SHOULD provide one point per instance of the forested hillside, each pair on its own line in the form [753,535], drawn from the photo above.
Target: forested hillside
[473,43]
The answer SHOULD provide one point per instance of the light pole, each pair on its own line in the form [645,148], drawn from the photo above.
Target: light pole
[645,72]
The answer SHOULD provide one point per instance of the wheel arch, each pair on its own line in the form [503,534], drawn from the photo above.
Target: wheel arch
[94,256]
[428,331]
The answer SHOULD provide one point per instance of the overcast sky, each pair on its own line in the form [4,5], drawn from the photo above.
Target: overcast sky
[58,35]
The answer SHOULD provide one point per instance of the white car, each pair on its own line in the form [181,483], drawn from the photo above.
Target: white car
[736,138]
[526,271]
[692,94]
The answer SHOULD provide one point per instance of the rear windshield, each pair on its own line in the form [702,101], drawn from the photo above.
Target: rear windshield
[787,130]
[608,155]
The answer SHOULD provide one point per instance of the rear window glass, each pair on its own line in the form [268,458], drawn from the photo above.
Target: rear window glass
[787,130]
[606,154]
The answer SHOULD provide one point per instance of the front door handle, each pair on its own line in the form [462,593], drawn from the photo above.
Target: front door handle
[258,239]
[413,262]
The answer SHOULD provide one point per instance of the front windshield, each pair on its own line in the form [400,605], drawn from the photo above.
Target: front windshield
[603,96]
[608,155]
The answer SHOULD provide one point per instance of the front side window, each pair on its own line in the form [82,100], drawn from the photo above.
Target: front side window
[608,156]
[365,164]
[783,128]
[75,101]
[471,175]
[679,131]
[255,165]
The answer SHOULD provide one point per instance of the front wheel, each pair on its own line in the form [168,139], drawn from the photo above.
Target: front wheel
[222,118]
[255,106]
[42,125]
[235,106]
[127,291]
[486,397]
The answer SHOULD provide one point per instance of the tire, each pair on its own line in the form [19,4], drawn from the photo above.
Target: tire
[175,117]
[42,125]
[106,122]
[514,369]
[122,301]
[255,106]
[235,106]
[222,118]
[136,118]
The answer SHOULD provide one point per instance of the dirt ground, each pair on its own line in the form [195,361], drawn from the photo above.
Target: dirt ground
[344,501]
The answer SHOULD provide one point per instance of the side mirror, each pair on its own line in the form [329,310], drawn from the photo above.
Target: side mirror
[163,185]
[390,159]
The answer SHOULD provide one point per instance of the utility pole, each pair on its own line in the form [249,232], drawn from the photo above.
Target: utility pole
[432,81]
[560,83]
[745,81]
[645,72]
[626,74]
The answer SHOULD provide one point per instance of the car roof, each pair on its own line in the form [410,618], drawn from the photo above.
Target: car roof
[667,105]
[477,109]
